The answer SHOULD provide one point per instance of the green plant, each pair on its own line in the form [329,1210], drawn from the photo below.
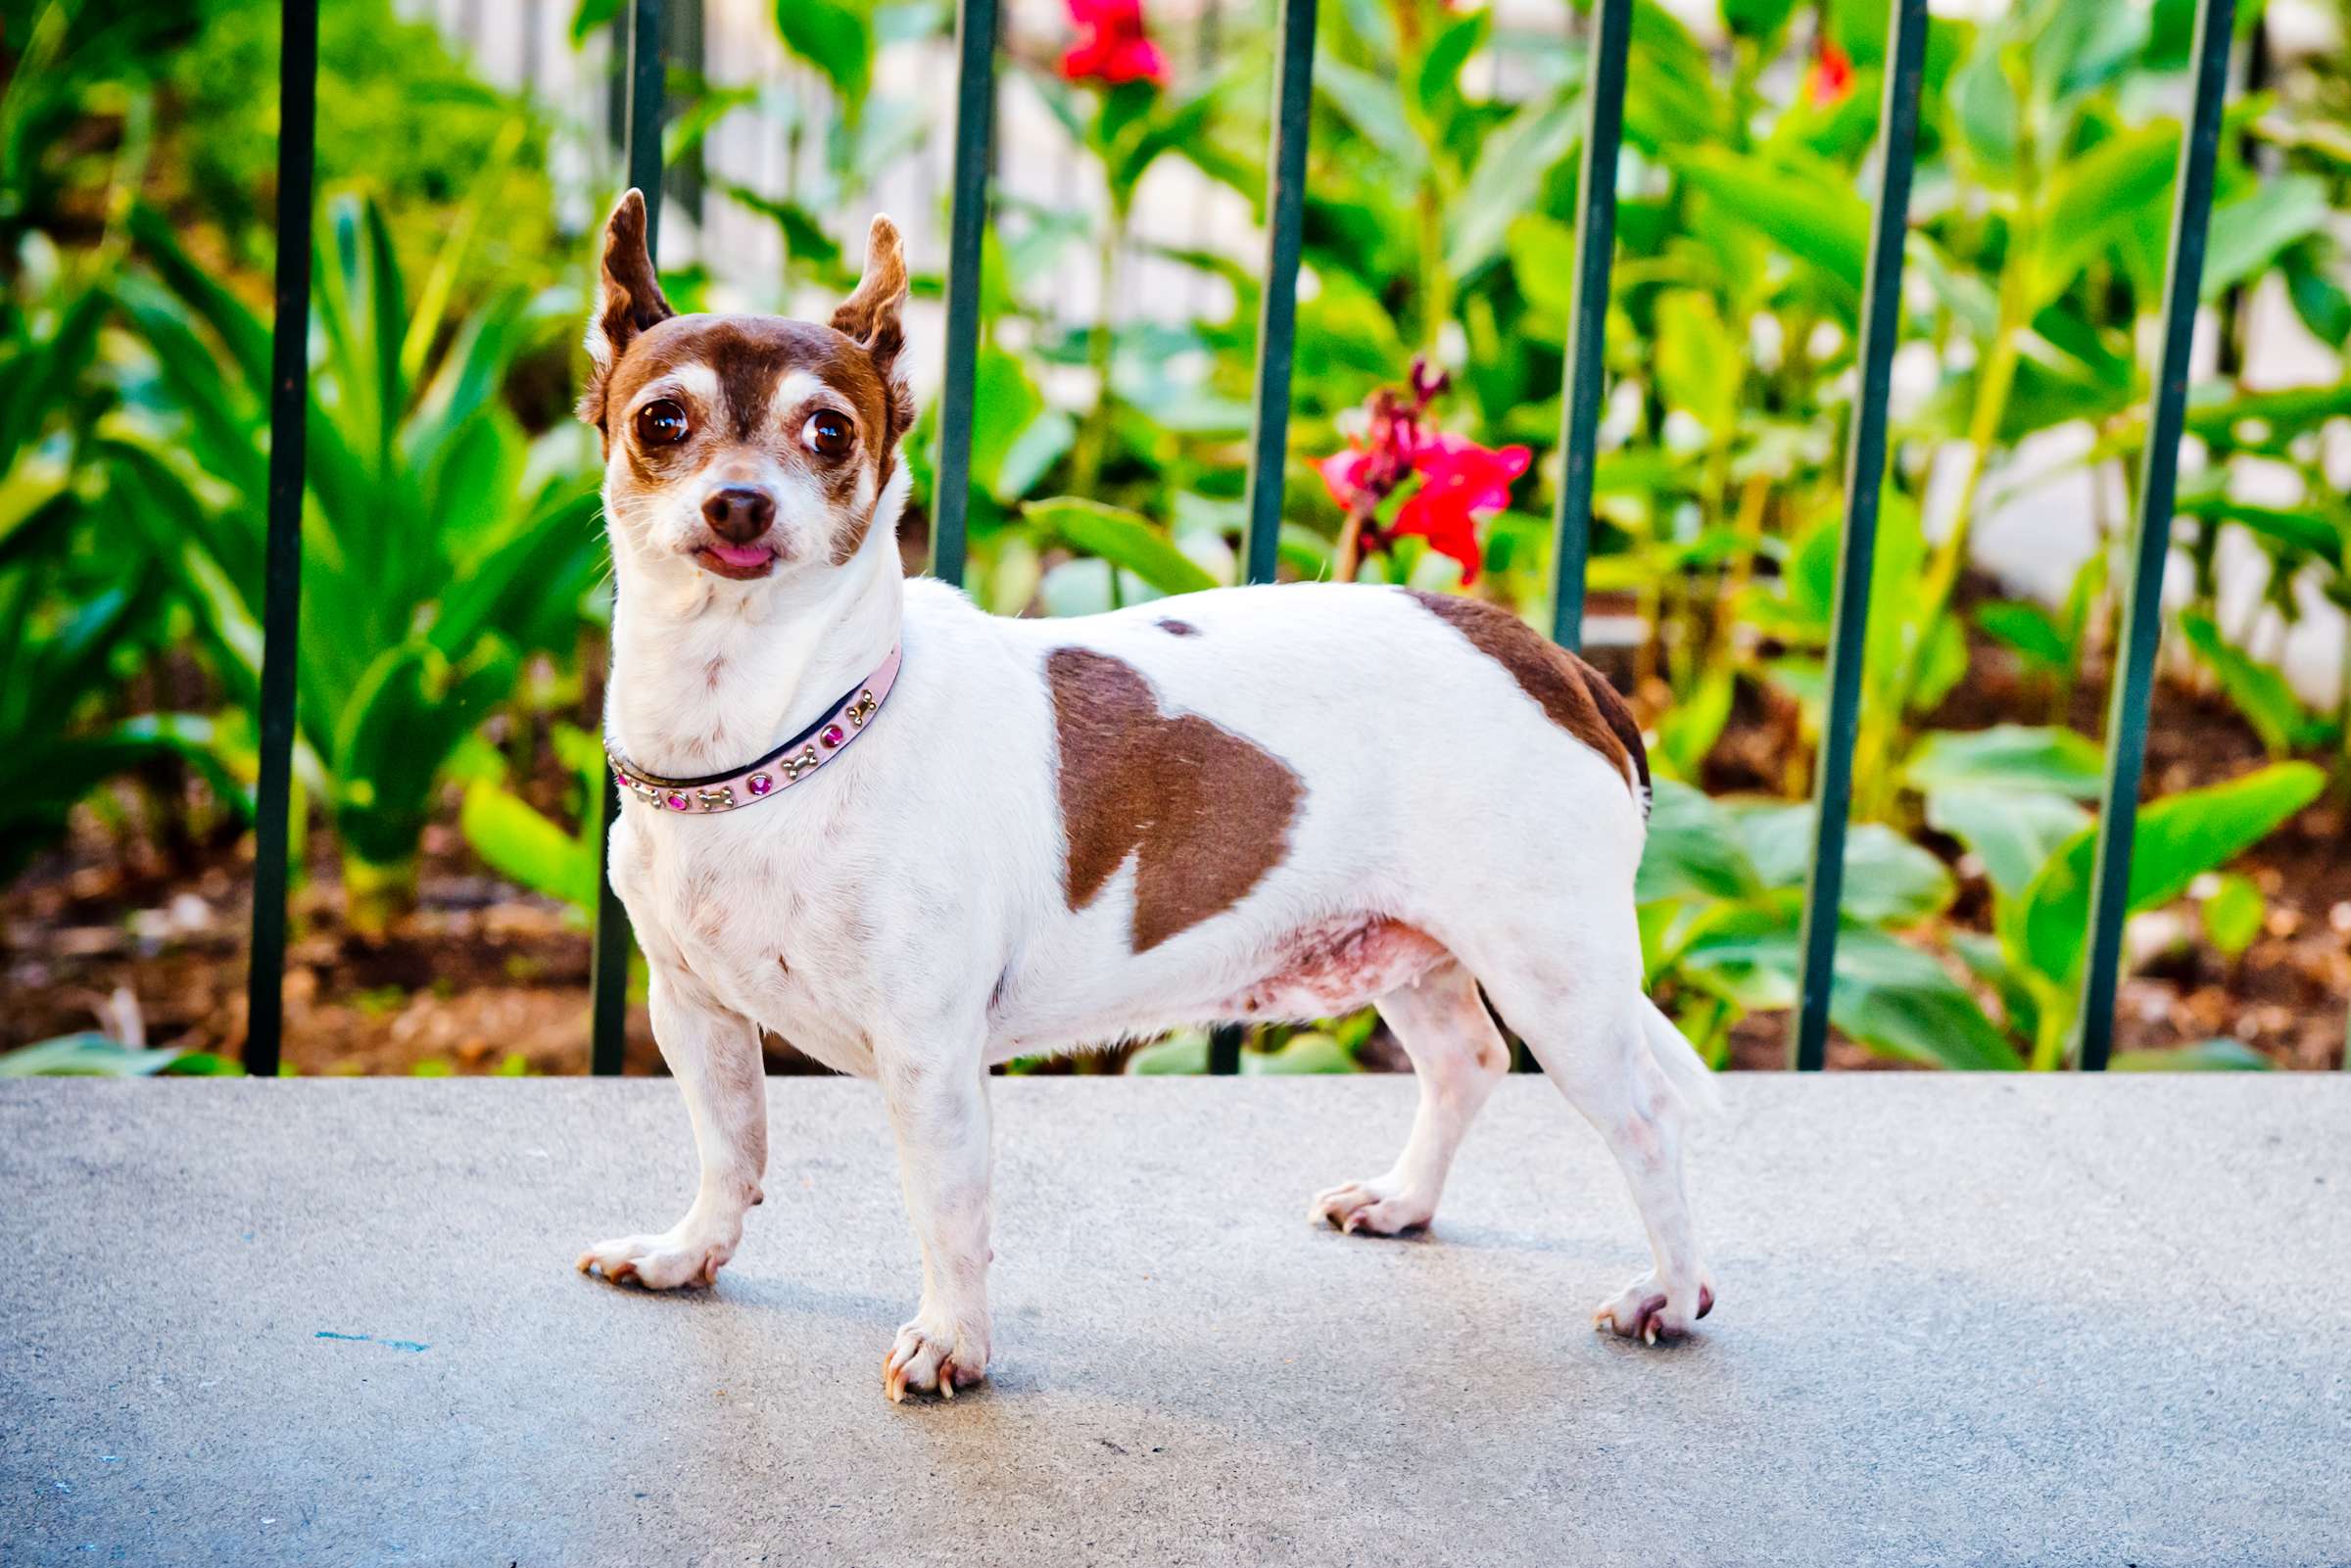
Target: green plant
[97,1056]
[2037,851]
[440,547]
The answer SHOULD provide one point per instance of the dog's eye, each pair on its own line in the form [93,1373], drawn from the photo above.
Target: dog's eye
[827,434]
[661,423]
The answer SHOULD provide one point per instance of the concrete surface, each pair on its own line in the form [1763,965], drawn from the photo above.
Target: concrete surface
[1961,1320]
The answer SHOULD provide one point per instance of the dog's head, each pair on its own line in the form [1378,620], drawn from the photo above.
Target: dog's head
[745,446]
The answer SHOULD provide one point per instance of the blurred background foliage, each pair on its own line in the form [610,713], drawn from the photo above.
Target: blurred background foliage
[452,636]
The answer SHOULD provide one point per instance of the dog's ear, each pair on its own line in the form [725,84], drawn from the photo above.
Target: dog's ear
[871,316]
[627,301]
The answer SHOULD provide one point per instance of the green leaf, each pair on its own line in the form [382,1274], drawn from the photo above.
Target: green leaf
[2027,629]
[2094,199]
[1181,1053]
[1373,106]
[2180,839]
[2234,915]
[1512,163]
[2208,1056]
[1756,18]
[1890,996]
[1668,96]
[2279,210]
[2082,44]
[2007,756]
[1821,222]
[1887,880]
[1308,1052]
[1121,538]
[2013,832]
[1694,849]
[1691,726]
[2304,530]
[1699,363]
[831,35]
[1436,86]
[1542,254]
[2319,300]
[518,843]
[2258,690]
[85,1056]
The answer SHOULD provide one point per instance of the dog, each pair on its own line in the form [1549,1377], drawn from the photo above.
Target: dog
[916,839]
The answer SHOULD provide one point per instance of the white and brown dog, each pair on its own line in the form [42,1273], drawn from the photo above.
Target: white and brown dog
[988,837]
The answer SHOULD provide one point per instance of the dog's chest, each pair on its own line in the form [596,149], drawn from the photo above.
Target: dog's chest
[772,915]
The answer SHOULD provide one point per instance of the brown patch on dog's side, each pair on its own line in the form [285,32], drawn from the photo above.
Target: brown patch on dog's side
[1205,812]
[1570,692]
[1175,627]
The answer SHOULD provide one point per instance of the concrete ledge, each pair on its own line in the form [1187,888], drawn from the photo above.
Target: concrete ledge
[1979,1320]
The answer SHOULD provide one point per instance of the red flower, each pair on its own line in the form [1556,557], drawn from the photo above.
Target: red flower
[1832,75]
[1458,480]
[1115,48]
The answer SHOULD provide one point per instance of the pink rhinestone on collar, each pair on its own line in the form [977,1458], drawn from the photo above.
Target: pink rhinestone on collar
[795,759]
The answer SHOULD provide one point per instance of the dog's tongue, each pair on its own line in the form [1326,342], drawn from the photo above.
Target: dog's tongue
[739,554]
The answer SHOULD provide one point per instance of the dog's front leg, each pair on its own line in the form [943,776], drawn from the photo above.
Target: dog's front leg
[937,1105]
[714,1055]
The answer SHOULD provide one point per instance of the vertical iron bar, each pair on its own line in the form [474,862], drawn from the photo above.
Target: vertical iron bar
[1276,343]
[2142,613]
[967,227]
[1864,481]
[608,963]
[1588,316]
[282,603]
[1277,304]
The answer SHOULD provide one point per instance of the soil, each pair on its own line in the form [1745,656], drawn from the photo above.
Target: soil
[142,933]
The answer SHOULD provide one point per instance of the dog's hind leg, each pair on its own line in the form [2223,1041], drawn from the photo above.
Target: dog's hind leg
[714,1055]
[1581,1012]
[1458,1057]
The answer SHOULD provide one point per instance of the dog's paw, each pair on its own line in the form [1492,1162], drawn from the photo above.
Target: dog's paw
[683,1256]
[1370,1206]
[1647,1312]
[934,1358]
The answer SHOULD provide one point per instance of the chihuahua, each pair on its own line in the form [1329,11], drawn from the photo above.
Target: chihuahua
[917,840]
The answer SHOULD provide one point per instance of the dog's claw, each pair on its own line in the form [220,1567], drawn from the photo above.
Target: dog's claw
[1641,1312]
[947,1380]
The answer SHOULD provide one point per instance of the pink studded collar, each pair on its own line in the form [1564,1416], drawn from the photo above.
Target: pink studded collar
[795,759]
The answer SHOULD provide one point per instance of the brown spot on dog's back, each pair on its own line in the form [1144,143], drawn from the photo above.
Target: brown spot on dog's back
[1205,813]
[1175,627]
[1570,692]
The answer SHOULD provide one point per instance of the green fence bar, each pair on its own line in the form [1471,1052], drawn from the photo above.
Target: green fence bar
[1864,479]
[966,225]
[1277,304]
[609,965]
[2142,613]
[282,603]
[1588,318]
[1277,344]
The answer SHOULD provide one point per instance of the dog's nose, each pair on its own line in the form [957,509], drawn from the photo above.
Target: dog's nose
[739,513]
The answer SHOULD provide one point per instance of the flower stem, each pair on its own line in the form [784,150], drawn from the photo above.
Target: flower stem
[1093,436]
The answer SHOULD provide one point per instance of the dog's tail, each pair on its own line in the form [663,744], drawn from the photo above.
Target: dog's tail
[1685,1070]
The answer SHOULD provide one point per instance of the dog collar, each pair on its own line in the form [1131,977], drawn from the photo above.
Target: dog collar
[795,759]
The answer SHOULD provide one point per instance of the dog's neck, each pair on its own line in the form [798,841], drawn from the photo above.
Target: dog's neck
[709,674]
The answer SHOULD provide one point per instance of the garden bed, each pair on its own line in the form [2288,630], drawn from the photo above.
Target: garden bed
[487,977]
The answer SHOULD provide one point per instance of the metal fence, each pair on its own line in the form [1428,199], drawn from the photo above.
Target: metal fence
[1595,241]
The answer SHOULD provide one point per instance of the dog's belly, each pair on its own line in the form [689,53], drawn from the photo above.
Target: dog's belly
[1335,968]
